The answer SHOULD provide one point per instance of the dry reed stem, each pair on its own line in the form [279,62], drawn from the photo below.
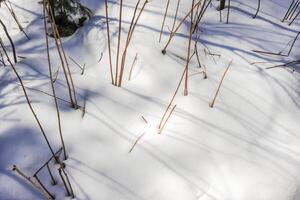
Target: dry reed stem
[51,82]
[136,141]
[28,100]
[128,40]
[10,40]
[119,42]
[109,45]
[162,128]
[220,84]
[258,8]
[144,119]
[60,55]
[11,10]
[178,26]
[228,12]
[32,182]
[175,16]
[189,51]
[164,19]
[288,11]
[172,99]
[64,56]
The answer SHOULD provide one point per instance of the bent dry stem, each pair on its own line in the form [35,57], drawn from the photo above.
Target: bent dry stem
[28,101]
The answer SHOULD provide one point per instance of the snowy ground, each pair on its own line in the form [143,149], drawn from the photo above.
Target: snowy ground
[245,148]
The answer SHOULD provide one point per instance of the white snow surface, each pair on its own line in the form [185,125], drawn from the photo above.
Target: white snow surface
[245,148]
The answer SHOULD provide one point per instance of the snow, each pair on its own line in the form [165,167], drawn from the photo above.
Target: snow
[246,147]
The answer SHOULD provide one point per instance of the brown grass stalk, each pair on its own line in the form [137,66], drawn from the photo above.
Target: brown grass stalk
[62,56]
[164,124]
[189,52]
[119,42]
[219,86]
[128,40]
[10,40]
[136,141]
[175,16]
[13,14]
[33,183]
[109,44]
[28,100]
[178,26]
[52,84]
[164,19]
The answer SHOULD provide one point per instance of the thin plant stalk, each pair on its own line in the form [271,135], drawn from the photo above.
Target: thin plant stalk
[293,10]
[64,55]
[109,44]
[172,99]
[52,84]
[219,86]
[164,19]
[32,182]
[294,18]
[28,101]
[136,141]
[177,28]
[228,12]
[42,186]
[188,53]
[164,124]
[119,42]
[13,14]
[10,40]
[288,11]
[290,50]
[128,40]
[258,8]
[175,16]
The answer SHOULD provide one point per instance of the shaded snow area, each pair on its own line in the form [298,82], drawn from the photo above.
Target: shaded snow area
[247,147]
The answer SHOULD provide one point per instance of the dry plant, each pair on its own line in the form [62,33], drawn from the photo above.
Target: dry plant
[293,10]
[288,12]
[258,8]
[133,24]
[28,100]
[228,11]
[164,19]
[172,99]
[63,58]
[178,26]
[175,16]
[119,42]
[168,117]
[189,52]
[109,44]
[201,13]
[219,86]
[10,40]
[45,7]
[35,184]
[65,179]
[13,14]
[136,141]
[296,16]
